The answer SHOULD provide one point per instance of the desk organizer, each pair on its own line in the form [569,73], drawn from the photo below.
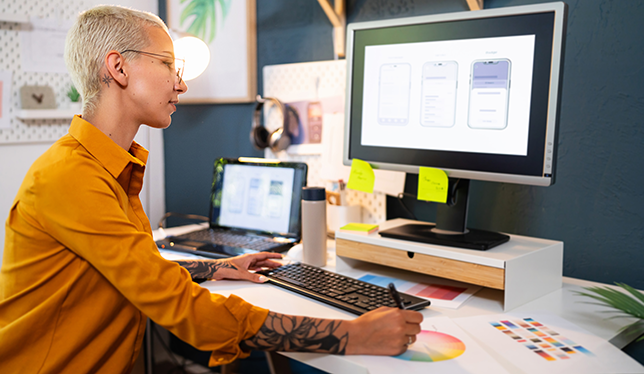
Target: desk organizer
[524,268]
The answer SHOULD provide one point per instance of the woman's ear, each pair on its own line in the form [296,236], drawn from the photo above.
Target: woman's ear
[116,71]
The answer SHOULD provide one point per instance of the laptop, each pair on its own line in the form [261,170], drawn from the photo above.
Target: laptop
[255,205]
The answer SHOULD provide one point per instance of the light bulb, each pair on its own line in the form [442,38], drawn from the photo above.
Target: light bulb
[196,54]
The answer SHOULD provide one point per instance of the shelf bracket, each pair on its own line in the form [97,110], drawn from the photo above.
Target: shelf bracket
[337,16]
[475,4]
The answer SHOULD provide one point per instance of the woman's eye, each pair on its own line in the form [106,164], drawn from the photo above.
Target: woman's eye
[168,64]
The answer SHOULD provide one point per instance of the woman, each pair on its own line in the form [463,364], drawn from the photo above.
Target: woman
[81,272]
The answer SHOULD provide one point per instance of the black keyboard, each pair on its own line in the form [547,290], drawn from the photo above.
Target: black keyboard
[340,291]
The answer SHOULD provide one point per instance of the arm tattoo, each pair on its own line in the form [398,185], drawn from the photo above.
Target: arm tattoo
[300,334]
[199,269]
[107,80]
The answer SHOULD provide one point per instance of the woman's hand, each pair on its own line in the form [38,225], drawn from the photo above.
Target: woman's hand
[232,268]
[384,331]
[239,266]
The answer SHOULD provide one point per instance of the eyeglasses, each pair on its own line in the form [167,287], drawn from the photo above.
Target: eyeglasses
[179,63]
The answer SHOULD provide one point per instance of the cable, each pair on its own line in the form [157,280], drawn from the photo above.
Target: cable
[400,199]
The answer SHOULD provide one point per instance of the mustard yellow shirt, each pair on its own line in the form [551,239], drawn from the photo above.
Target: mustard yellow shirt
[81,271]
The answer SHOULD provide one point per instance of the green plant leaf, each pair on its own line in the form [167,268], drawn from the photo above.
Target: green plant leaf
[212,11]
[73,94]
[225,7]
[192,9]
[630,304]
[636,329]
[618,300]
[198,27]
[204,23]
[637,294]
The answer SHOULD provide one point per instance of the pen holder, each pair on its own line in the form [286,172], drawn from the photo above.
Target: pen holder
[340,215]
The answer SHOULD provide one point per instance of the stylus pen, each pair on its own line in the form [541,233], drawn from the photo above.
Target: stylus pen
[396,296]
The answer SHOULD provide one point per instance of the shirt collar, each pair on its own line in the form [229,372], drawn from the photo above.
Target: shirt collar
[114,158]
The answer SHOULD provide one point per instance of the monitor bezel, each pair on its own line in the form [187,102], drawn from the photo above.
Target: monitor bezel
[546,177]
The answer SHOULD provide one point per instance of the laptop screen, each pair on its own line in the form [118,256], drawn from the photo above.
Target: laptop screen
[264,197]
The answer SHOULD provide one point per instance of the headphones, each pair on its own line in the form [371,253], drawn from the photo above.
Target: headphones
[277,140]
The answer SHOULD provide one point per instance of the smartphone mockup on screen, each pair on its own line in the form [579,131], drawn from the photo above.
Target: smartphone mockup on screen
[489,94]
[438,99]
[393,96]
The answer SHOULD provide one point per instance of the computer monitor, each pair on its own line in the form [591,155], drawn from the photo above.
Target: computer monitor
[475,94]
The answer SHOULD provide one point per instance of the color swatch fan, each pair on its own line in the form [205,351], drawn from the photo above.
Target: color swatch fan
[441,347]
[433,346]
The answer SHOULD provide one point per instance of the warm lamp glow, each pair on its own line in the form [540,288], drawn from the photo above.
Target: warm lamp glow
[193,50]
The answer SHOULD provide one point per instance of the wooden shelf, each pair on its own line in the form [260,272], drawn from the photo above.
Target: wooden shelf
[524,268]
[47,113]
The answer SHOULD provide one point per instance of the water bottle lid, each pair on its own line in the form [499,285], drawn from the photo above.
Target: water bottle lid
[313,193]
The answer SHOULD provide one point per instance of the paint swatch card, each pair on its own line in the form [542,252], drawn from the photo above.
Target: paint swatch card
[442,293]
[538,343]
[441,347]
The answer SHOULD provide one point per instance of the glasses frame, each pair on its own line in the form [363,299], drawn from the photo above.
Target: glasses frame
[177,68]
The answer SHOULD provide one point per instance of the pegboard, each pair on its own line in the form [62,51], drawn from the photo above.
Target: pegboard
[37,130]
[303,81]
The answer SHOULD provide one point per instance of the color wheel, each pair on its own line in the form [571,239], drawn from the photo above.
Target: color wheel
[433,346]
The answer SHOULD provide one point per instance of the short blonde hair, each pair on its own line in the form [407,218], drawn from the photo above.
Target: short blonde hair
[96,32]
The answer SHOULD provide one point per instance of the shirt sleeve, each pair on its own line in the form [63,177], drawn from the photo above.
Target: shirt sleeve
[84,209]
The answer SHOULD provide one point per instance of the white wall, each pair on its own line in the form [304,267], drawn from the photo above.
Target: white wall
[15,159]
[151,6]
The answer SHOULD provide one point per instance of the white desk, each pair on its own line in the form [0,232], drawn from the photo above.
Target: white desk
[563,302]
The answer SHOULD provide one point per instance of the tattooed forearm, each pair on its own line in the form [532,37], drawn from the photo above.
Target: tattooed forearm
[107,80]
[300,334]
[204,269]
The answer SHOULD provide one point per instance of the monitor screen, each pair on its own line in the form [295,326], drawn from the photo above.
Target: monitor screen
[260,195]
[473,93]
[257,197]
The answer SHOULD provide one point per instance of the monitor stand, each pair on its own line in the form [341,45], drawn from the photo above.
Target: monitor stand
[450,229]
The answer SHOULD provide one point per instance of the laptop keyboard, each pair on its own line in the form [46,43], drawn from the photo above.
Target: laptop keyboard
[222,237]
[337,290]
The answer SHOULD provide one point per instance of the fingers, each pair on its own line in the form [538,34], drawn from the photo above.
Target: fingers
[264,255]
[409,316]
[413,316]
[260,259]
[412,329]
[257,257]
[256,278]
[267,264]
[384,331]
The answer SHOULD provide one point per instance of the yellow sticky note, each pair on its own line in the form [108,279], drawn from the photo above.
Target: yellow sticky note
[432,185]
[362,177]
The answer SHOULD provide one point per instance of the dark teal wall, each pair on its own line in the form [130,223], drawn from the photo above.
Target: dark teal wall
[597,204]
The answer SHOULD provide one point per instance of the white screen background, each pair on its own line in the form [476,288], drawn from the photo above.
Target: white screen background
[249,202]
[512,140]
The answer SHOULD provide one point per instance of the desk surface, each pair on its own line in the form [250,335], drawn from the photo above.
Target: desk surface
[563,302]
